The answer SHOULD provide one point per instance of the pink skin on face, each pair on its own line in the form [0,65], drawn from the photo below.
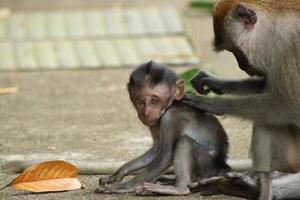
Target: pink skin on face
[149,101]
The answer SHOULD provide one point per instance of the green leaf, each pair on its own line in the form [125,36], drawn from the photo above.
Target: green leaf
[186,77]
[202,4]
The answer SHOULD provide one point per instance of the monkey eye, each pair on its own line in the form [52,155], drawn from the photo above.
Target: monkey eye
[155,101]
[140,101]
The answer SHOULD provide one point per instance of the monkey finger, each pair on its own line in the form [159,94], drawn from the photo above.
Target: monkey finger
[142,191]
[147,193]
[100,190]
[102,181]
[138,190]
[107,180]
[198,77]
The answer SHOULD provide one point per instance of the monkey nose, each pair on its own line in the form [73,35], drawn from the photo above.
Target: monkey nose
[146,113]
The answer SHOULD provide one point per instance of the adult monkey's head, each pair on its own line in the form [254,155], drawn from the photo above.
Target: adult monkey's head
[152,88]
[241,27]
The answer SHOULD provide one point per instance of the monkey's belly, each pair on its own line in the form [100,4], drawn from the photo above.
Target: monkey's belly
[275,150]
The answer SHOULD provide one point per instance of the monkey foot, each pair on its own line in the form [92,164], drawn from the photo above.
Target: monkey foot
[151,189]
[100,189]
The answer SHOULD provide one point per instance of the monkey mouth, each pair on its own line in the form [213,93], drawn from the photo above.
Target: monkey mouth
[244,63]
[150,123]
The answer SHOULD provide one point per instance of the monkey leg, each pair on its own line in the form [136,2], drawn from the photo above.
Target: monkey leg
[271,148]
[265,186]
[185,164]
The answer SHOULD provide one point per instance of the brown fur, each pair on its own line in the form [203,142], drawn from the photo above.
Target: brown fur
[223,7]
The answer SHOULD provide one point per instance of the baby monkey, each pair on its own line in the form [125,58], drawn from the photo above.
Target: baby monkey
[191,140]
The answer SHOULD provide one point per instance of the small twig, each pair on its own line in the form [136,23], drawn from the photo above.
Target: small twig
[10,90]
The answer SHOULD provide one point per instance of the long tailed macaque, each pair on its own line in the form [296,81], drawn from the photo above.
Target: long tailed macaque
[193,141]
[264,37]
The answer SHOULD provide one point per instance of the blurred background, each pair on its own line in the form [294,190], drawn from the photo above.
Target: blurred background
[64,65]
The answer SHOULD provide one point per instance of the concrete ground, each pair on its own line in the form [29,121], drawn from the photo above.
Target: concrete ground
[87,115]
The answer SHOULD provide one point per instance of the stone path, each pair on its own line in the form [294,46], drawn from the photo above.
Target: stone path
[115,37]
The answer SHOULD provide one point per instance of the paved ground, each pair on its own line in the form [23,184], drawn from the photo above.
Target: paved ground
[92,38]
[87,115]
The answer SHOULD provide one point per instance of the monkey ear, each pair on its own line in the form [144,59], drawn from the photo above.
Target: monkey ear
[245,14]
[179,90]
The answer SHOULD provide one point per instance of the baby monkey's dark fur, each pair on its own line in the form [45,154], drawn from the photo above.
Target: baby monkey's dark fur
[191,140]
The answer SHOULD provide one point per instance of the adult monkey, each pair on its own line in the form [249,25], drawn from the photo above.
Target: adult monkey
[191,140]
[264,36]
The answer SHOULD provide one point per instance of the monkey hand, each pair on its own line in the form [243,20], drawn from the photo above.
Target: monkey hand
[116,177]
[212,105]
[116,188]
[205,83]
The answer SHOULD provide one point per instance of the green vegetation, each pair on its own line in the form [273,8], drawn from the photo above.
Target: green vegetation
[186,77]
[202,4]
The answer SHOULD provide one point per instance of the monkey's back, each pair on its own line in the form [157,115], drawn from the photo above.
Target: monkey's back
[203,128]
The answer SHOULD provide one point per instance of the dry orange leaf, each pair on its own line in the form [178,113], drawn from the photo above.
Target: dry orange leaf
[49,176]
[51,185]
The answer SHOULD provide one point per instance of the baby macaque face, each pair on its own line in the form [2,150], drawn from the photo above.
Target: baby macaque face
[151,102]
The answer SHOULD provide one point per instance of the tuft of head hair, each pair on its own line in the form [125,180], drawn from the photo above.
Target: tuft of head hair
[151,73]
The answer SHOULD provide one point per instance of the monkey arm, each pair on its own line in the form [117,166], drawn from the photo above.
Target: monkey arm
[240,87]
[131,166]
[221,86]
[161,162]
[140,162]
[261,107]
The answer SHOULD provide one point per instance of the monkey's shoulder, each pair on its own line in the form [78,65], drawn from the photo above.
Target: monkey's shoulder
[181,112]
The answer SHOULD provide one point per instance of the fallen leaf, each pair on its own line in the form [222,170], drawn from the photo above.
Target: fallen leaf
[49,176]
[51,185]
